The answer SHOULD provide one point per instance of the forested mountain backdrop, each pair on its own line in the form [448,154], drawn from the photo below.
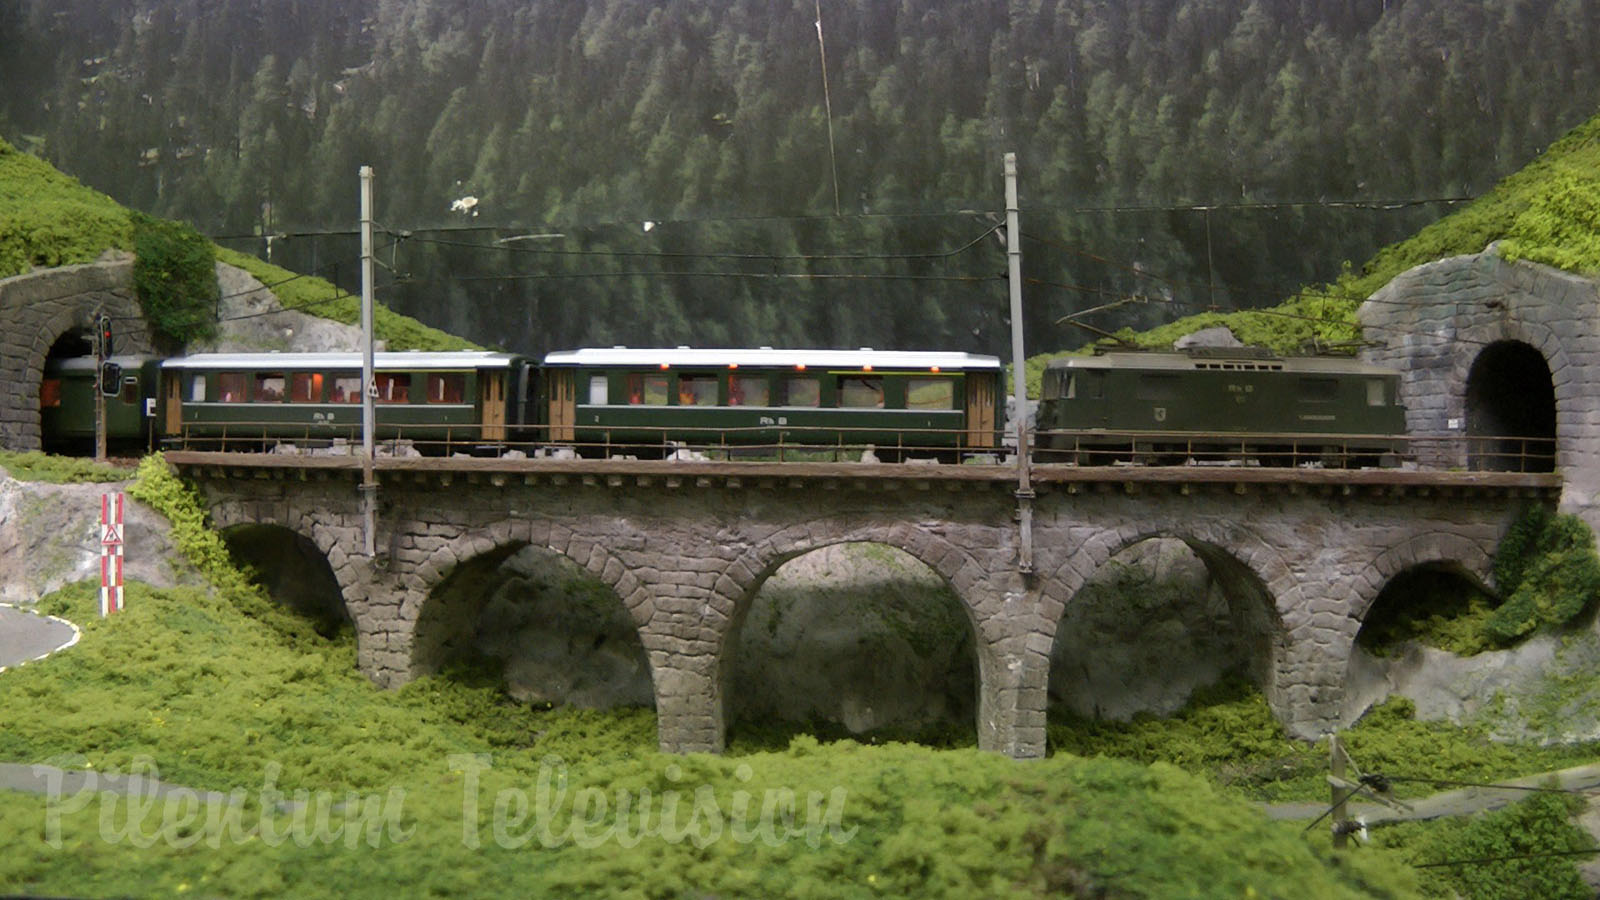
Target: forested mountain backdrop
[689,176]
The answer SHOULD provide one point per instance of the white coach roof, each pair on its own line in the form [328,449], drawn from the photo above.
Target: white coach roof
[408,359]
[688,357]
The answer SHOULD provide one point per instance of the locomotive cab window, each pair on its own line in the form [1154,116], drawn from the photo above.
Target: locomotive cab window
[747,390]
[305,387]
[50,393]
[447,387]
[930,393]
[269,388]
[1375,392]
[856,392]
[1318,390]
[393,387]
[130,391]
[697,390]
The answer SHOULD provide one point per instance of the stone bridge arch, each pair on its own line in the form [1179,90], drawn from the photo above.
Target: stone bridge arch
[1232,552]
[36,310]
[429,560]
[998,640]
[1441,547]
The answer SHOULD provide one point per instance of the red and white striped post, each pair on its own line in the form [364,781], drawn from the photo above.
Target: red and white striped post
[110,553]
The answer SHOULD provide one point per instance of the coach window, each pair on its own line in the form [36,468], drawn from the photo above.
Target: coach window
[305,387]
[857,392]
[393,388]
[930,393]
[1375,392]
[647,390]
[50,393]
[800,390]
[233,387]
[697,390]
[747,390]
[346,389]
[269,388]
[446,387]
[599,390]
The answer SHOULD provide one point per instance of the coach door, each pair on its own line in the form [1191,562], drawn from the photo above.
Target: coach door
[563,402]
[492,400]
[172,391]
[980,409]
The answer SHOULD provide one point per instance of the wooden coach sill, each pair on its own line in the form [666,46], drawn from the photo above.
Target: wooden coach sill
[672,473]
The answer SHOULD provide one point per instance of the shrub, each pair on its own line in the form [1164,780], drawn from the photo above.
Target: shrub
[176,279]
[1549,572]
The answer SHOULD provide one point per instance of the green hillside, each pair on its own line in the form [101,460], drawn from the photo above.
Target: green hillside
[49,219]
[1549,212]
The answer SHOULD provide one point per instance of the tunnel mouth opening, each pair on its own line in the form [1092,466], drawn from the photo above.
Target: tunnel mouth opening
[1511,410]
[853,641]
[66,404]
[1437,604]
[293,572]
[1166,629]
[537,627]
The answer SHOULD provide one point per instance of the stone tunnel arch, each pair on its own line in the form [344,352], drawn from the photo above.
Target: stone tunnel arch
[293,570]
[36,311]
[1201,614]
[736,594]
[548,630]
[1510,396]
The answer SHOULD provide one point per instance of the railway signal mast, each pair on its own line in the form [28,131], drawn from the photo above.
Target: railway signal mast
[103,369]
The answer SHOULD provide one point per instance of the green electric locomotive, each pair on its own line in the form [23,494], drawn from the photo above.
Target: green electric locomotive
[1245,405]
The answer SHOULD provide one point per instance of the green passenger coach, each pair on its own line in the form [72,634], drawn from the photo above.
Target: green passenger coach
[438,402]
[645,401]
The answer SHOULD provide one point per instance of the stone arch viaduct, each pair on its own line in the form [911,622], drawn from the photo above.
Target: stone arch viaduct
[685,546]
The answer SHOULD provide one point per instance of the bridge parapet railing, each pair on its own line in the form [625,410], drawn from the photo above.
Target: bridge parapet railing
[1080,447]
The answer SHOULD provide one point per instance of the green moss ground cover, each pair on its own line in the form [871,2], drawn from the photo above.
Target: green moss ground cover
[220,698]
[35,466]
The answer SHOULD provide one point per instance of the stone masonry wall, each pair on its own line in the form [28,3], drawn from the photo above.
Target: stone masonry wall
[687,560]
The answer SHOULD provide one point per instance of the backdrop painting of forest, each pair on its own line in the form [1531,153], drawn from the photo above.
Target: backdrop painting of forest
[681,172]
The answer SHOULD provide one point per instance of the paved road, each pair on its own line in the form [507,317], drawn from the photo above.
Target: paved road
[25,636]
